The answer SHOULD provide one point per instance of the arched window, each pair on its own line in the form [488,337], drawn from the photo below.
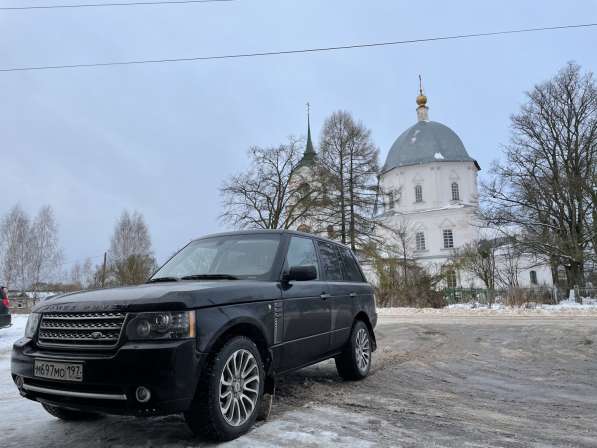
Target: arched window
[533,275]
[455,192]
[448,239]
[418,193]
[451,279]
[420,241]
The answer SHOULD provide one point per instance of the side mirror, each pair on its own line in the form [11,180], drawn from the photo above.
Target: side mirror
[301,274]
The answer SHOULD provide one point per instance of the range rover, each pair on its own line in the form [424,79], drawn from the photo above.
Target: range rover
[206,336]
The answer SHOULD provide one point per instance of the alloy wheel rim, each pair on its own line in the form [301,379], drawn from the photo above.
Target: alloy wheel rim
[239,387]
[362,349]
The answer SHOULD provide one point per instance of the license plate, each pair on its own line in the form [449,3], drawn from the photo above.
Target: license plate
[58,370]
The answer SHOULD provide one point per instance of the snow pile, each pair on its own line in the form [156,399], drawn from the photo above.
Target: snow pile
[439,156]
[9,335]
[568,307]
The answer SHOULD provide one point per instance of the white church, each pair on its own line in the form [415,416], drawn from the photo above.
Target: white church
[429,189]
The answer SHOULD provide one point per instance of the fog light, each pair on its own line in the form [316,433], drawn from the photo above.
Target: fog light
[142,394]
[19,381]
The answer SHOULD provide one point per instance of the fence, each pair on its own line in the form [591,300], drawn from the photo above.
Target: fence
[512,296]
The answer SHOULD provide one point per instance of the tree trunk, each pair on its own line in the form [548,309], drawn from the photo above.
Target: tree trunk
[342,202]
[574,275]
[351,194]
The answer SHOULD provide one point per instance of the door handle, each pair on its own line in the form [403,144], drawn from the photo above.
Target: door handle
[353,294]
[325,296]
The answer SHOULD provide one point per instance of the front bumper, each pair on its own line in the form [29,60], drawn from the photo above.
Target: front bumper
[5,320]
[169,369]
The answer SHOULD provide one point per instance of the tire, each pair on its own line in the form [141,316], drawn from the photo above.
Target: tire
[226,405]
[69,414]
[355,361]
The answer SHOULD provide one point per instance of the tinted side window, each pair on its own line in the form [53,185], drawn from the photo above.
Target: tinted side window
[301,252]
[331,263]
[351,269]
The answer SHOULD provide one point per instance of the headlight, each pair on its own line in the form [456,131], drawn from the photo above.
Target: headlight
[163,325]
[32,324]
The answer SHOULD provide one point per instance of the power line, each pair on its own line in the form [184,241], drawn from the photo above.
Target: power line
[296,51]
[100,5]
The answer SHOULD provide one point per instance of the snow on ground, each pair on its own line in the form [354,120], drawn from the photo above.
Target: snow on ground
[436,383]
[567,307]
[11,334]
[312,426]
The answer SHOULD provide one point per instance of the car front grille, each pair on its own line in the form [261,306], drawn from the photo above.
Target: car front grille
[101,330]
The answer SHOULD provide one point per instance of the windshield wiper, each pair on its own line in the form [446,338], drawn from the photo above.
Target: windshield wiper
[163,279]
[209,277]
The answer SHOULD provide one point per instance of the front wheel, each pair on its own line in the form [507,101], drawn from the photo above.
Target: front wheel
[229,394]
[355,361]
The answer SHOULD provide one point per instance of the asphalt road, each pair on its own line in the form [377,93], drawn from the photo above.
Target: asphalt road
[437,381]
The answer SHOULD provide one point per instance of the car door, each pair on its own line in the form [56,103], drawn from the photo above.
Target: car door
[340,292]
[348,293]
[306,309]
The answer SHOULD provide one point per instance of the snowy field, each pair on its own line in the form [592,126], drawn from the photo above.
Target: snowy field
[438,380]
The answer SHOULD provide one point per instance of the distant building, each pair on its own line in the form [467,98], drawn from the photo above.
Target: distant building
[21,302]
[428,189]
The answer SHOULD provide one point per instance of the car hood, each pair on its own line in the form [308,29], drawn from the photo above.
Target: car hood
[163,296]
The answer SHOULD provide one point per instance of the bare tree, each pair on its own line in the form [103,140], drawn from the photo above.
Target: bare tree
[82,274]
[266,196]
[45,255]
[348,167]
[131,257]
[478,258]
[14,238]
[509,265]
[543,188]
[399,244]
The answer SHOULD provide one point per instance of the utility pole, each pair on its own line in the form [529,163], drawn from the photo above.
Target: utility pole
[104,269]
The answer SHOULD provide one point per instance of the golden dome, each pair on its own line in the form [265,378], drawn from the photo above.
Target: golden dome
[421,99]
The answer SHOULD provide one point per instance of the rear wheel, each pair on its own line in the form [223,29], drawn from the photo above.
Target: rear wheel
[69,414]
[355,361]
[229,394]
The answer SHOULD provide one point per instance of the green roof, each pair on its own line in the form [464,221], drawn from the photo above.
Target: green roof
[309,155]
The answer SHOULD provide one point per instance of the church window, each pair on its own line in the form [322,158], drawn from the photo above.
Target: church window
[391,199]
[420,241]
[455,192]
[418,193]
[451,279]
[448,239]
[533,275]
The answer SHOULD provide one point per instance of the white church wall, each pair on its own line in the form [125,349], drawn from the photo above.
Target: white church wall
[435,180]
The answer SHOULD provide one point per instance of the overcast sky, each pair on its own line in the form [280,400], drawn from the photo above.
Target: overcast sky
[161,138]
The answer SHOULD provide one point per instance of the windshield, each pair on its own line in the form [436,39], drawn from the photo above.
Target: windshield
[242,256]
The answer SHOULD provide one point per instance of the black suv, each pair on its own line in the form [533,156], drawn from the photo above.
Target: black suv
[4,308]
[206,336]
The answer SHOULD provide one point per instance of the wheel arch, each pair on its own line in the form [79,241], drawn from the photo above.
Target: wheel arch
[363,317]
[243,327]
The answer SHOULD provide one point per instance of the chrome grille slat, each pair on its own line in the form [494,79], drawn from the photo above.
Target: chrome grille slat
[94,327]
[83,316]
[87,329]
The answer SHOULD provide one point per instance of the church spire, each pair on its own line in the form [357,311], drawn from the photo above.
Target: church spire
[309,154]
[422,109]
[309,148]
